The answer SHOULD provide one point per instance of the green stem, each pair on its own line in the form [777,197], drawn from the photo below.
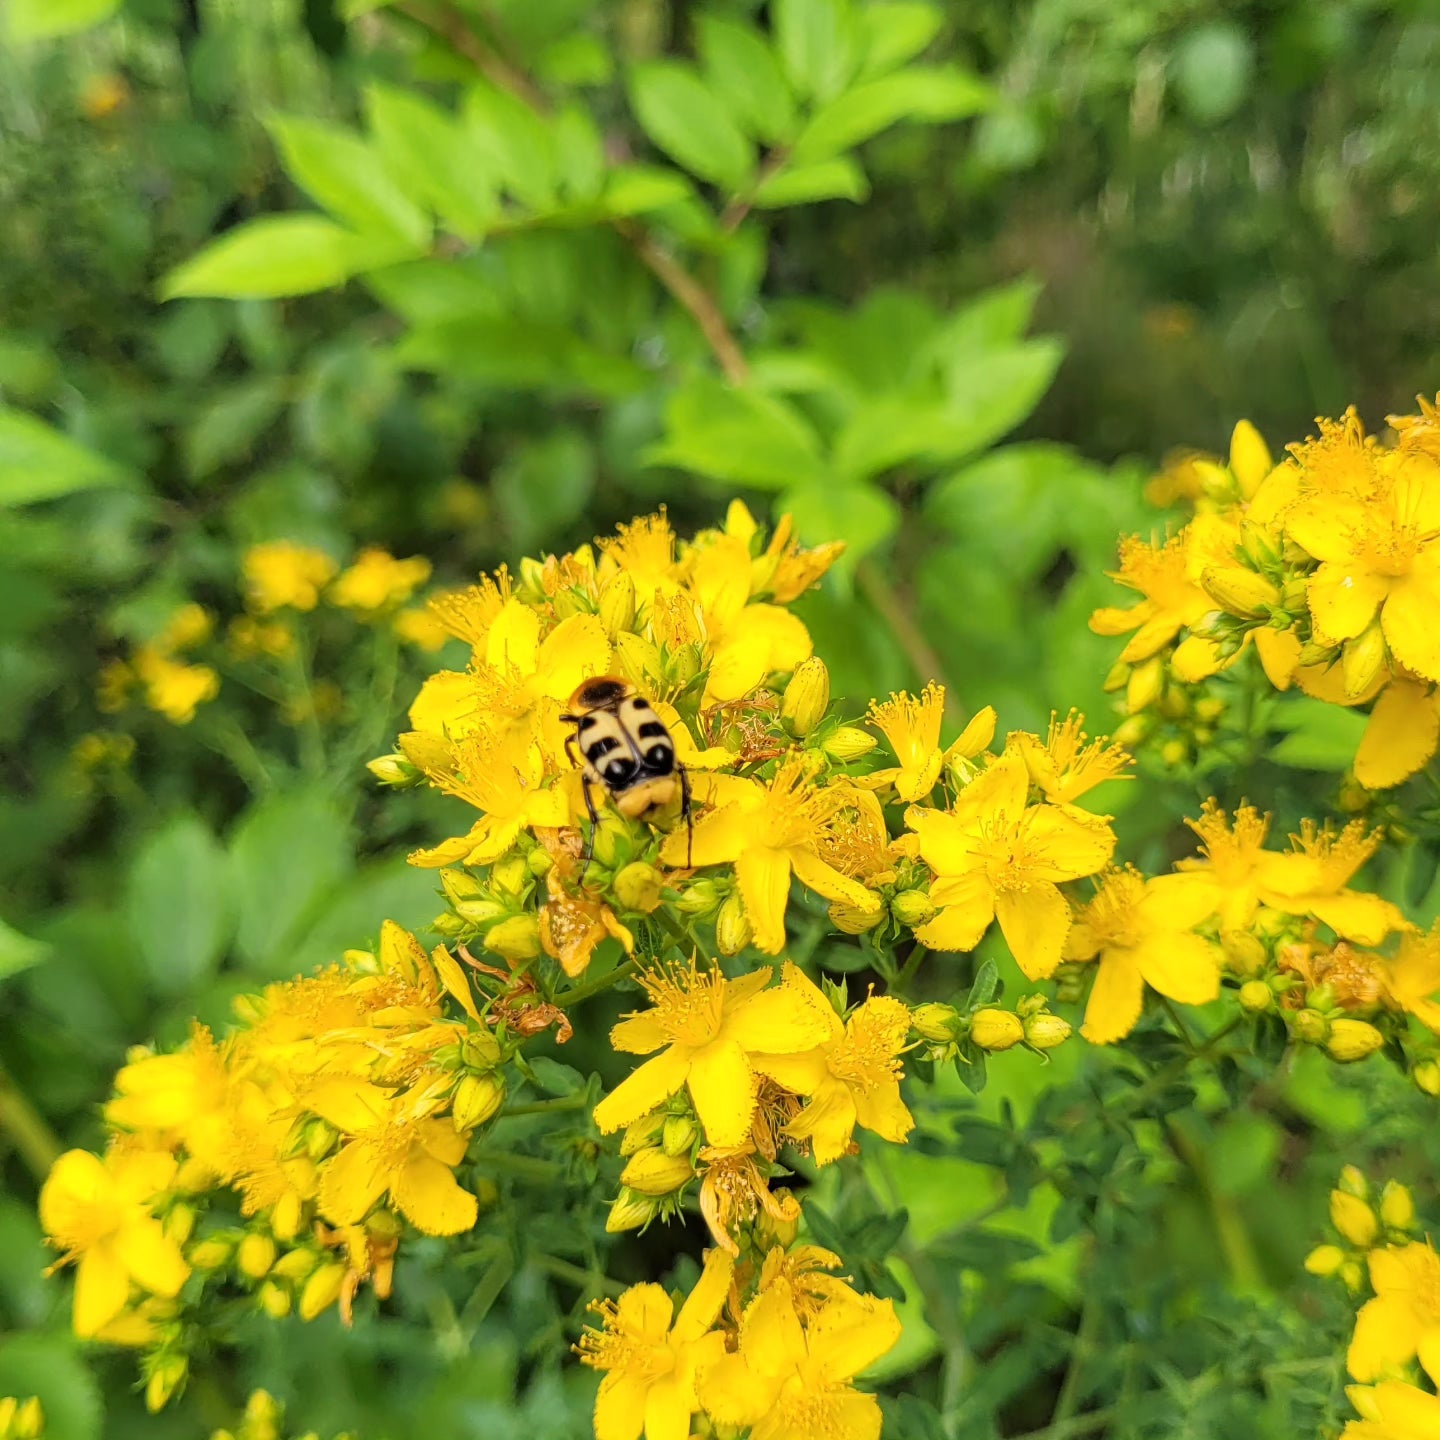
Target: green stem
[1068,1401]
[578,993]
[312,742]
[902,981]
[587,1280]
[1065,1429]
[522,1167]
[546,1107]
[37,1143]
[1235,1242]
[923,657]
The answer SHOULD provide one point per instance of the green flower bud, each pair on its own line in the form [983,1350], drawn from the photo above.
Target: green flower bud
[1310,1027]
[459,885]
[180,1223]
[167,1377]
[653,1172]
[912,907]
[1241,592]
[807,697]
[698,898]
[1352,1040]
[641,1133]
[1362,659]
[210,1253]
[479,1050]
[631,1211]
[934,1022]
[510,876]
[733,931]
[517,938]
[479,912]
[1397,1206]
[395,771]
[848,743]
[852,920]
[477,1099]
[321,1291]
[679,1135]
[1256,997]
[993,1029]
[638,886]
[1045,1031]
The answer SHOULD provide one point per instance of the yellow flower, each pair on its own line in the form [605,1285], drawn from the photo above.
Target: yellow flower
[21,1419]
[1393,1411]
[913,729]
[644,550]
[1404,1317]
[1401,735]
[410,1157]
[1203,479]
[176,1100]
[1064,767]
[99,1213]
[1173,599]
[378,581]
[650,1355]
[172,688]
[422,628]
[502,778]
[790,1379]
[282,575]
[715,1036]
[768,832]
[1141,933]
[187,627]
[997,858]
[1413,976]
[853,1078]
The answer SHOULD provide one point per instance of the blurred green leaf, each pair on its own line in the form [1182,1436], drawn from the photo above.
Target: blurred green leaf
[178,903]
[929,94]
[287,854]
[227,429]
[24,1291]
[19,952]
[737,434]
[837,179]
[1320,736]
[579,154]
[543,489]
[1212,69]
[29,20]
[275,255]
[893,32]
[860,515]
[990,394]
[742,69]
[517,145]
[818,44]
[634,189]
[686,119]
[39,463]
[50,1366]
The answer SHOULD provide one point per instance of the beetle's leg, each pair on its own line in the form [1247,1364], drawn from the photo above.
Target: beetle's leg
[685,813]
[589,852]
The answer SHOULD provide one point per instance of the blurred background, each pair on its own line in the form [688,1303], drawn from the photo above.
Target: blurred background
[1200,212]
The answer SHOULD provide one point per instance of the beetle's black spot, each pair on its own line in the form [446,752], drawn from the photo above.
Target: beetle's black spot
[660,757]
[586,721]
[619,771]
[596,748]
[650,729]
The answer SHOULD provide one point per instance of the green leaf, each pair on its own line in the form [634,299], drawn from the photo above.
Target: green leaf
[686,119]
[992,393]
[1321,736]
[579,154]
[178,904]
[837,179]
[49,1366]
[554,1078]
[439,158]
[19,952]
[29,20]
[516,145]
[860,515]
[543,489]
[932,95]
[347,177]
[819,45]
[227,429]
[273,256]
[996,317]
[740,435]
[892,33]
[742,69]
[636,189]
[353,9]
[288,853]
[39,463]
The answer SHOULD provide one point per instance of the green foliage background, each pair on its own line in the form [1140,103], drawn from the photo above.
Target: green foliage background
[977,306]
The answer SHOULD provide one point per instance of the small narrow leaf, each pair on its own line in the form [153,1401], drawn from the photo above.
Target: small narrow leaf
[837,179]
[39,463]
[274,256]
[685,118]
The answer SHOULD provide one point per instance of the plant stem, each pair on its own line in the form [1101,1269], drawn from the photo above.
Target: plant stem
[545,1107]
[37,1143]
[447,25]
[907,971]
[924,659]
[578,993]
[1065,1429]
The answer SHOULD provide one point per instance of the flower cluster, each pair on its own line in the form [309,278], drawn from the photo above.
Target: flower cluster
[1327,566]
[280,1162]
[21,1419]
[1394,1353]
[264,1419]
[769,1343]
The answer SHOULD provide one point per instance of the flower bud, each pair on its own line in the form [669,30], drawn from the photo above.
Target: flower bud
[256,1255]
[1174,753]
[807,697]
[1294,593]
[1354,1219]
[1209,709]
[631,1211]
[1352,1040]
[1352,1272]
[638,886]
[1310,1027]
[1353,1182]
[295,1264]
[733,931]
[652,1172]
[641,1133]
[532,579]
[1397,1206]
[29,1421]
[194,1177]
[450,925]
[1256,997]
[479,1050]
[459,884]
[539,863]
[779,1227]
[612,847]
[510,876]
[848,743]
[321,1291]
[912,907]
[935,1022]
[1241,592]
[1145,686]
[1426,1076]
[698,898]
[477,1099]
[1045,1031]
[617,604]
[993,1029]
[1362,659]
[517,938]
[1313,652]
[210,1253]
[275,1300]
[1325,1260]
[167,1378]
[394,770]
[320,1137]
[679,1135]
[1244,953]
[479,912]
[852,920]
[1131,732]
[180,1223]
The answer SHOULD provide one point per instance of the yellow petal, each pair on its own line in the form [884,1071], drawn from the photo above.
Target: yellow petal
[880,1110]
[1001,787]
[1250,460]
[77,1181]
[1184,967]
[844,1340]
[732,1393]
[152,1258]
[513,641]
[1154,635]
[823,879]
[1034,922]
[1384,1338]
[639,1034]
[764,878]
[1343,599]
[722,1088]
[1115,998]
[1359,916]
[1060,847]
[1115,620]
[351,1181]
[968,903]
[1279,652]
[456,984]
[668,1409]
[1176,902]
[431,1199]
[643,1089]
[102,1284]
[446,705]
[1196,658]
[620,1406]
[945,840]
[771,1339]
[976,736]
[718,837]
[782,1021]
[1401,736]
[1409,622]
[707,1299]
[827,1121]
[763,640]
[574,651]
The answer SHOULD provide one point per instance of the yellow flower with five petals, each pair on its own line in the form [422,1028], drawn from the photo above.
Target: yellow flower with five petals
[1403,1319]
[912,726]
